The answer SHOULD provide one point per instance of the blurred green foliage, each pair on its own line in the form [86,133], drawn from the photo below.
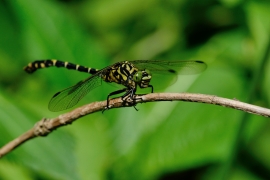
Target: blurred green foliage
[166,140]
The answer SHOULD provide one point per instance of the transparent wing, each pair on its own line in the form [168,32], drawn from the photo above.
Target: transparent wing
[71,96]
[171,67]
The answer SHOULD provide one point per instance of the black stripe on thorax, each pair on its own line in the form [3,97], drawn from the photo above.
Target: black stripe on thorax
[127,69]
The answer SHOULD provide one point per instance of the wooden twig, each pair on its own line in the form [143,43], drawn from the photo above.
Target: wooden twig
[46,126]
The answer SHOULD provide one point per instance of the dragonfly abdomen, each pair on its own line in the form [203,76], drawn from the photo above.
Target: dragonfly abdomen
[39,64]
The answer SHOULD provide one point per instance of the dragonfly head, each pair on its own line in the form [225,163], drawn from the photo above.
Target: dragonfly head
[142,78]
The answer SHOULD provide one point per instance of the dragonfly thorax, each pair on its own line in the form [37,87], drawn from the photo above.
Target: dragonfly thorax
[142,78]
[121,73]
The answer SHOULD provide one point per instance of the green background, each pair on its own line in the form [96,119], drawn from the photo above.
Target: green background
[164,140]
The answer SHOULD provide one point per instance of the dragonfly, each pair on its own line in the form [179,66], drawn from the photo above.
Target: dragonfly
[130,74]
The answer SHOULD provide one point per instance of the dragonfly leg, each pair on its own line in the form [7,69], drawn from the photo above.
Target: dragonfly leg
[131,92]
[135,108]
[152,88]
[139,98]
[114,93]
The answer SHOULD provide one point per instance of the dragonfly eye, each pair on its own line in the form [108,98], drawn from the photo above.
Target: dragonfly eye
[137,76]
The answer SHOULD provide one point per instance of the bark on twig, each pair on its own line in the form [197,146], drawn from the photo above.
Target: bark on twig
[46,126]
